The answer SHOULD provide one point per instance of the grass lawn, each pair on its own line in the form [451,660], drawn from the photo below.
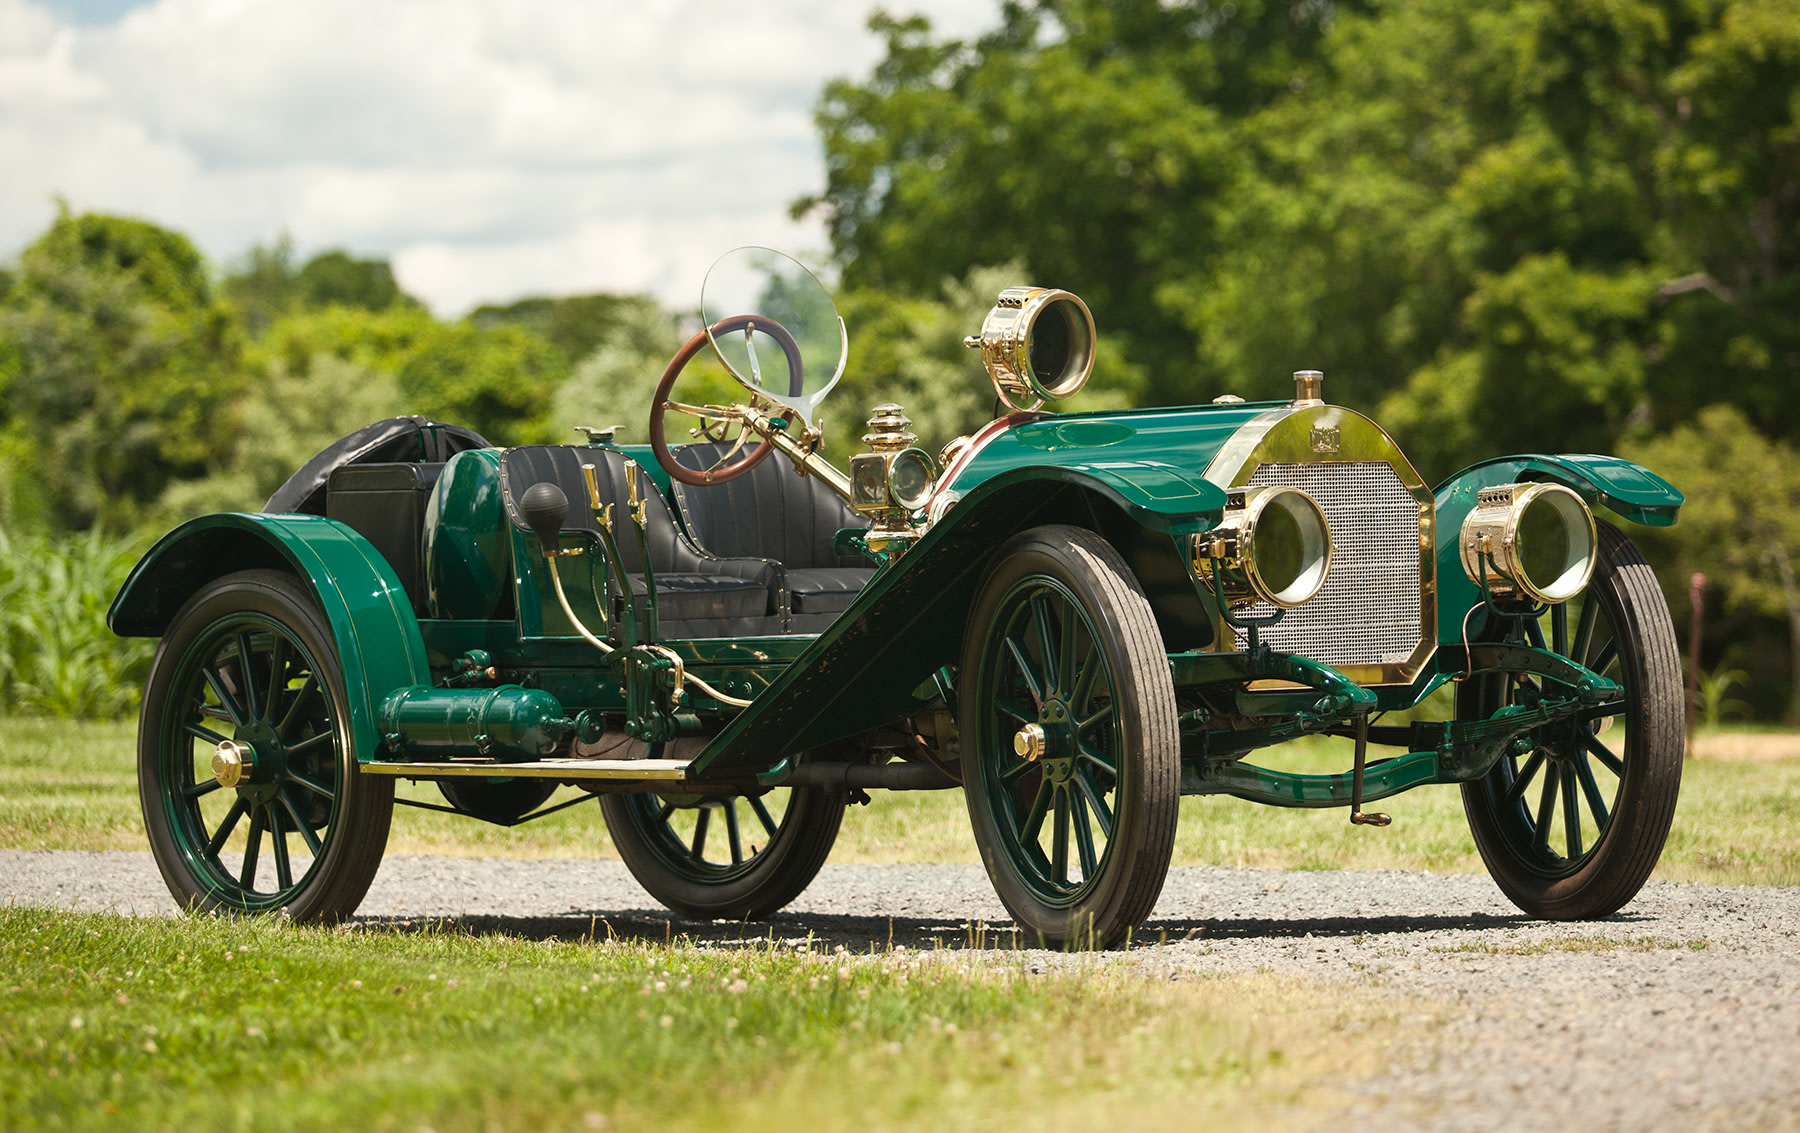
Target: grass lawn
[214,1024]
[71,786]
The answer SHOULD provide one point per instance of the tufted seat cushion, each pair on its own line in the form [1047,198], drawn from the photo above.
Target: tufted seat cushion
[773,512]
[697,594]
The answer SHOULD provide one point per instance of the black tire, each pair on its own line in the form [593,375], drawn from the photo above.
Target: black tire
[305,792]
[1111,757]
[1605,848]
[667,845]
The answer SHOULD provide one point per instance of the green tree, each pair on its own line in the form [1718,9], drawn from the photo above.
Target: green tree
[120,372]
[1741,523]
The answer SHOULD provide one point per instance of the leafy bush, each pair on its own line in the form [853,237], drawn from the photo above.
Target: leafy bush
[57,658]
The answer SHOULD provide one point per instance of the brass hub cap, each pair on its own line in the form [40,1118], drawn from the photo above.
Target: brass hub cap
[1028,742]
[232,762]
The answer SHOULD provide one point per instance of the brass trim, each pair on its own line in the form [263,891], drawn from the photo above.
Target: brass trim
[1285,436]
[648,770]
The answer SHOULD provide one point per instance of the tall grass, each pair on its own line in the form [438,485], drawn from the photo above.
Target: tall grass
[57,658]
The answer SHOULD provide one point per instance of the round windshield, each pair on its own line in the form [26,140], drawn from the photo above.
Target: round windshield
[775,327]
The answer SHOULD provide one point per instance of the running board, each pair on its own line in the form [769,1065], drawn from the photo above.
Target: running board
[638,770]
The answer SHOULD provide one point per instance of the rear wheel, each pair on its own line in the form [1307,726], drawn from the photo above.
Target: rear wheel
[249,784]
[1071,758]
[731,857]
[1572,829]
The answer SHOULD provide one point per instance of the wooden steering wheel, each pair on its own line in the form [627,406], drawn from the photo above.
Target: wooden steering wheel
[726,469]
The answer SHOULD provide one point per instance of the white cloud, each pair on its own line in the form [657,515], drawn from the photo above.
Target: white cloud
[492,149]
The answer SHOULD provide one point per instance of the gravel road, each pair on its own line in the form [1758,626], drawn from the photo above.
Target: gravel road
[1682,1012]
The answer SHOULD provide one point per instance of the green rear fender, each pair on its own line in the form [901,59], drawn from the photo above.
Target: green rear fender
[1629,491]
[371,618]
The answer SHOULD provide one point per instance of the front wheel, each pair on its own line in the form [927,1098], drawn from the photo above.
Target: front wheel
[1572,829]
[251,792]
[1071,756]
[729,857]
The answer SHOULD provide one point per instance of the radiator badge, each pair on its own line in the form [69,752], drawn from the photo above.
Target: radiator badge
[1326,439]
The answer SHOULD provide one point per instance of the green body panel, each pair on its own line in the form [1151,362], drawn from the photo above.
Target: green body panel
[1149,461]
[468,569]
[371,618]
[1628,490]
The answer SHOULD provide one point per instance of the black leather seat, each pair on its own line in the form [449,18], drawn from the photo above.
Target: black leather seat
[697,594]
[773,512]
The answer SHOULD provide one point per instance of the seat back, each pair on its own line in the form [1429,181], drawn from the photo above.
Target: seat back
[772,512]
[670,550]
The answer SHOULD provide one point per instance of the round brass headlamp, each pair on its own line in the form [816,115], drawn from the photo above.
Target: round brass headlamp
[1037,344]
[1537,540]
[911,477]
[1273,543]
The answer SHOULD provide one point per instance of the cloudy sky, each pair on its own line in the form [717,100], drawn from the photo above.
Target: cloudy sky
[491,148]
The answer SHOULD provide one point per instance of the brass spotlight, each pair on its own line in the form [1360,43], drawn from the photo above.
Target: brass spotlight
[1037,344]
[1273,544]
[1537,540]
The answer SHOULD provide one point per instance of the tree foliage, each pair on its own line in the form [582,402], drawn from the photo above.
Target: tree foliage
[1456,208]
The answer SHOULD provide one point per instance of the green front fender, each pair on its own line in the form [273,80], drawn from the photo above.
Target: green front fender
[371,618]
[1628,490]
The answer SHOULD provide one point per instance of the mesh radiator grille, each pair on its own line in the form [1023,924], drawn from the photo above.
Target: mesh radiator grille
[1368,612]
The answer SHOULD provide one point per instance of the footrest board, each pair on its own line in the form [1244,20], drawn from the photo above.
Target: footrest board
[659,770]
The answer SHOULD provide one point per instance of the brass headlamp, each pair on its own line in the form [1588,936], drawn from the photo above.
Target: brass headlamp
[1535,540]
[1273,543]
[1037,344]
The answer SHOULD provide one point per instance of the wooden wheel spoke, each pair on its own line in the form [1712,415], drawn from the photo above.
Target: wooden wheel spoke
[1091,668]
[1059,838]
[284,871]
[1545,812]
[300,825]
[1065,654]
[203,787]
[1591,789]
[202,732]
[1603,660]
[233,710]
[249,677]
[1559,629]
[1603,753]
[1584,629]
[1048,649]
[1571,813]
[1534,633]
[1096,802]
[698,847]
[1084,837]
[1015,769]
[1022,660]
[318,789]
[731,832]
[306,689]
[226,826]
[664,811]
[278,666]
[762,814]
[308,744]
[1009,707]
[252,848]
[1523,778]
[1034,818]
[1100,716]
[1098,759]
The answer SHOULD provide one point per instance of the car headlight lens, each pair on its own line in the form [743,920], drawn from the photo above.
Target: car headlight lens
[1273,544]
[1537,540]
[910,478]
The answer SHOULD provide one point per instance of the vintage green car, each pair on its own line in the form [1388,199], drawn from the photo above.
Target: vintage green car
[1076,619]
